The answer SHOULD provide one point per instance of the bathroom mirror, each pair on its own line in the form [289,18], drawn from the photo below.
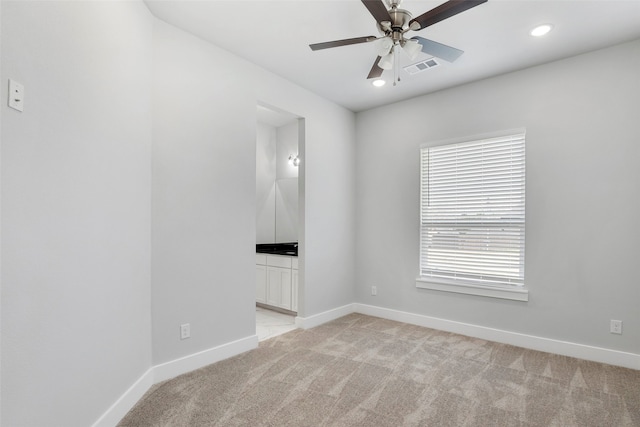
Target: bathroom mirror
[276,177]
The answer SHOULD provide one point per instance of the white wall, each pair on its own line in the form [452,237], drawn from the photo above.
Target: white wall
[204,193]
[582,208]
[76,183]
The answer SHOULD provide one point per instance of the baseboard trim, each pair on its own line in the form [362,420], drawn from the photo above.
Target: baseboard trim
[189,363]
[119,409]
[324,317]
[171,369]
[565,348]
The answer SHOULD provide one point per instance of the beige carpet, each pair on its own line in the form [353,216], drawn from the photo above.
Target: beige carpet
[366,371]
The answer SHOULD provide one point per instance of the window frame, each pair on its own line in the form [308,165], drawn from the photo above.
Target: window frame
[517,292]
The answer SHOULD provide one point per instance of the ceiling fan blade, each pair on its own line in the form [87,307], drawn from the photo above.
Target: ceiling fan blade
[444,11]
[438,50]
[345,42]
[376,71]
[377,9]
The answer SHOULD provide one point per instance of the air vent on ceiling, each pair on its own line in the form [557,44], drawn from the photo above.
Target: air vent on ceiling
[421,66]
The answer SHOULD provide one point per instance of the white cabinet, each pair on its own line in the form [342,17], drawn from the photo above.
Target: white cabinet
[275,283]
[279,287]
[294,290]
[261,283]
[294,284]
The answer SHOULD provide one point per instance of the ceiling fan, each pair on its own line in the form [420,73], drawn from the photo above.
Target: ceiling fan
[393,23]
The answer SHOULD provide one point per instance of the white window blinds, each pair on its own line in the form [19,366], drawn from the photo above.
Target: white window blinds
[472,211]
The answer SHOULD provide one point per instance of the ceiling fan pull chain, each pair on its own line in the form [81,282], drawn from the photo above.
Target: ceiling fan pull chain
[398,67]
[395,65]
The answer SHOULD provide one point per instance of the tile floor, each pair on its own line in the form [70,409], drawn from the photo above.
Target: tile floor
[271,323]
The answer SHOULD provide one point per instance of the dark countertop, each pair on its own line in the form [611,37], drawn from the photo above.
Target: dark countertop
[290,249]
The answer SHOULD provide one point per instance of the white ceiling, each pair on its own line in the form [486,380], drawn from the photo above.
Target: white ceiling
[495,38]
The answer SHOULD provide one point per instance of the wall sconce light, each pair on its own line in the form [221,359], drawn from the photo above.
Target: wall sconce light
[294,160]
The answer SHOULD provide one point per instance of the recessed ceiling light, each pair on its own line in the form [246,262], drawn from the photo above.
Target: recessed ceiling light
[541,30]
[378,83]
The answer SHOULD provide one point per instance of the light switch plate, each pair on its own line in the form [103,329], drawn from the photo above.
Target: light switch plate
[16,95]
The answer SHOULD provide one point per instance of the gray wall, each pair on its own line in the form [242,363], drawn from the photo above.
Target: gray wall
[0,220]
[583,203]
[204,194]
[110,241]
[203,203]
[76,185]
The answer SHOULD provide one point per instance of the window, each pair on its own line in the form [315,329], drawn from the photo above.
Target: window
[472,210]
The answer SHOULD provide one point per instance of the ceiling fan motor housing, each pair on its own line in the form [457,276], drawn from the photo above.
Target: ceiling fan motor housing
[399,24]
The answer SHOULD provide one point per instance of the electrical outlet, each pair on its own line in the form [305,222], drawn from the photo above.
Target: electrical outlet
[616,326]
[374,291]
[16,95]
[185,331]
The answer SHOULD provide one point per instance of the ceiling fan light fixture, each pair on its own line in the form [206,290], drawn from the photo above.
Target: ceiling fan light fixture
[412,48]
[541,30]
[386,62]
[384,46]
[378,83]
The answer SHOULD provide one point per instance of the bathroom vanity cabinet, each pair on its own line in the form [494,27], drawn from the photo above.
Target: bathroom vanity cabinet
[277,281]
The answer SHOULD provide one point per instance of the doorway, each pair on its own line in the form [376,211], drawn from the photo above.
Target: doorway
[279,237]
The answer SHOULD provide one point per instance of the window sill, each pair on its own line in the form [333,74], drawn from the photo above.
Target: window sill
[516,294]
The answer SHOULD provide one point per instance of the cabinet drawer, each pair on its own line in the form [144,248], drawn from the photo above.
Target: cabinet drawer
[279,261]
[294,263]
[261,259]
